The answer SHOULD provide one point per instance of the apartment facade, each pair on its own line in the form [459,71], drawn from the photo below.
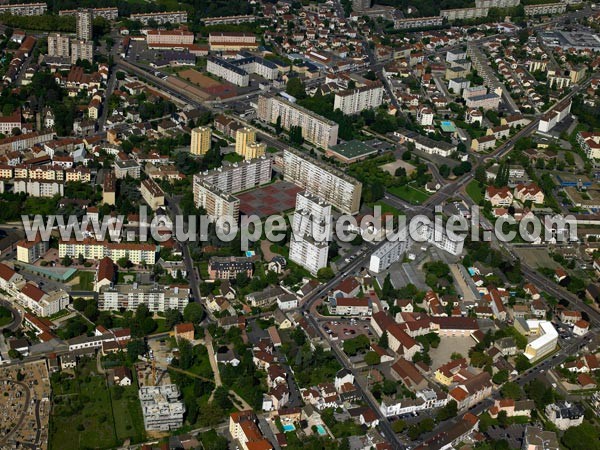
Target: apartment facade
[231,41]
[24,9]
[311,227]
[152,194]
[83,21]
[353,101]
[216,202]
[237,177]
[170,37]
[316,129]
[201,140]
[29,252]
[96,250]
[130,296]
[243,137]
[326,182]
[161,18]
[59,45]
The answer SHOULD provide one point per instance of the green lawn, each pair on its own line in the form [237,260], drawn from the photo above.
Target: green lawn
[81,415]
[233,157]
[385,208]
[86,281]
[409,193]
[127,413]
[475,191]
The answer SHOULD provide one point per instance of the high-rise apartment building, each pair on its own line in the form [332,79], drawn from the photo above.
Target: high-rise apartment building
[353,101]
[237,177]
[216,202]
[311,228]
[316,129]
[83,50]
[84,19]
[320,179]
[255,150]
[201,137]
[59,45]
[244,137]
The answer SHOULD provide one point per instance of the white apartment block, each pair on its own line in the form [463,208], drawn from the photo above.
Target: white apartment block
[39,188]
[238,71]
[236,177]
[315,129]
[425,116]
[439,238]
[216,202]
[557,115]
[24,9]
[350,306]
[41,303]
[170,37]
[161,18]
[83,50]
[545,9]
[227,71]
[84,18]
[161,407]
[589,143]
[29,252]
[486,101]
[59,45]
[228,20]
[418,22]
[353,101]
[107,13]
[130,296]
[311,228]
[326,182]
[386,255]
[137,253]
[463,13]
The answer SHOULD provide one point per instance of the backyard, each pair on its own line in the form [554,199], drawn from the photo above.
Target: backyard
[89,414]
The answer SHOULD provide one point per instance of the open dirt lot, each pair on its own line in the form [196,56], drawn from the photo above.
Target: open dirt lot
[449,345]
[193,76]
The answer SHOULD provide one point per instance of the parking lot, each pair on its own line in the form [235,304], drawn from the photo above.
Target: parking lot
[347,329]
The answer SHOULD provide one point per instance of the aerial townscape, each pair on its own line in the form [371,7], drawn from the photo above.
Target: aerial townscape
[233,224]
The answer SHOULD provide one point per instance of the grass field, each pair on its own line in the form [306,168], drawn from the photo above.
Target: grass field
[86,281]
[127,413]
[385,208]
[280,250]
[410,194]
[81,417]
[474,191]
[89,414]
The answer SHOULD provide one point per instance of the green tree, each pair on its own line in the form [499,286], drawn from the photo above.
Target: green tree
[325,274]
[383,340]
[172,318]
[135,348]
[511,390]
[193,312]
[295,87]
[372,358]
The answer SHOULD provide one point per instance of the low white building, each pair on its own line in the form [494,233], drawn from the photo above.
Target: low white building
[565,414]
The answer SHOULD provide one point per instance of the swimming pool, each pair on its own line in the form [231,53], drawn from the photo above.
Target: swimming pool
[288,427]
[321,430]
